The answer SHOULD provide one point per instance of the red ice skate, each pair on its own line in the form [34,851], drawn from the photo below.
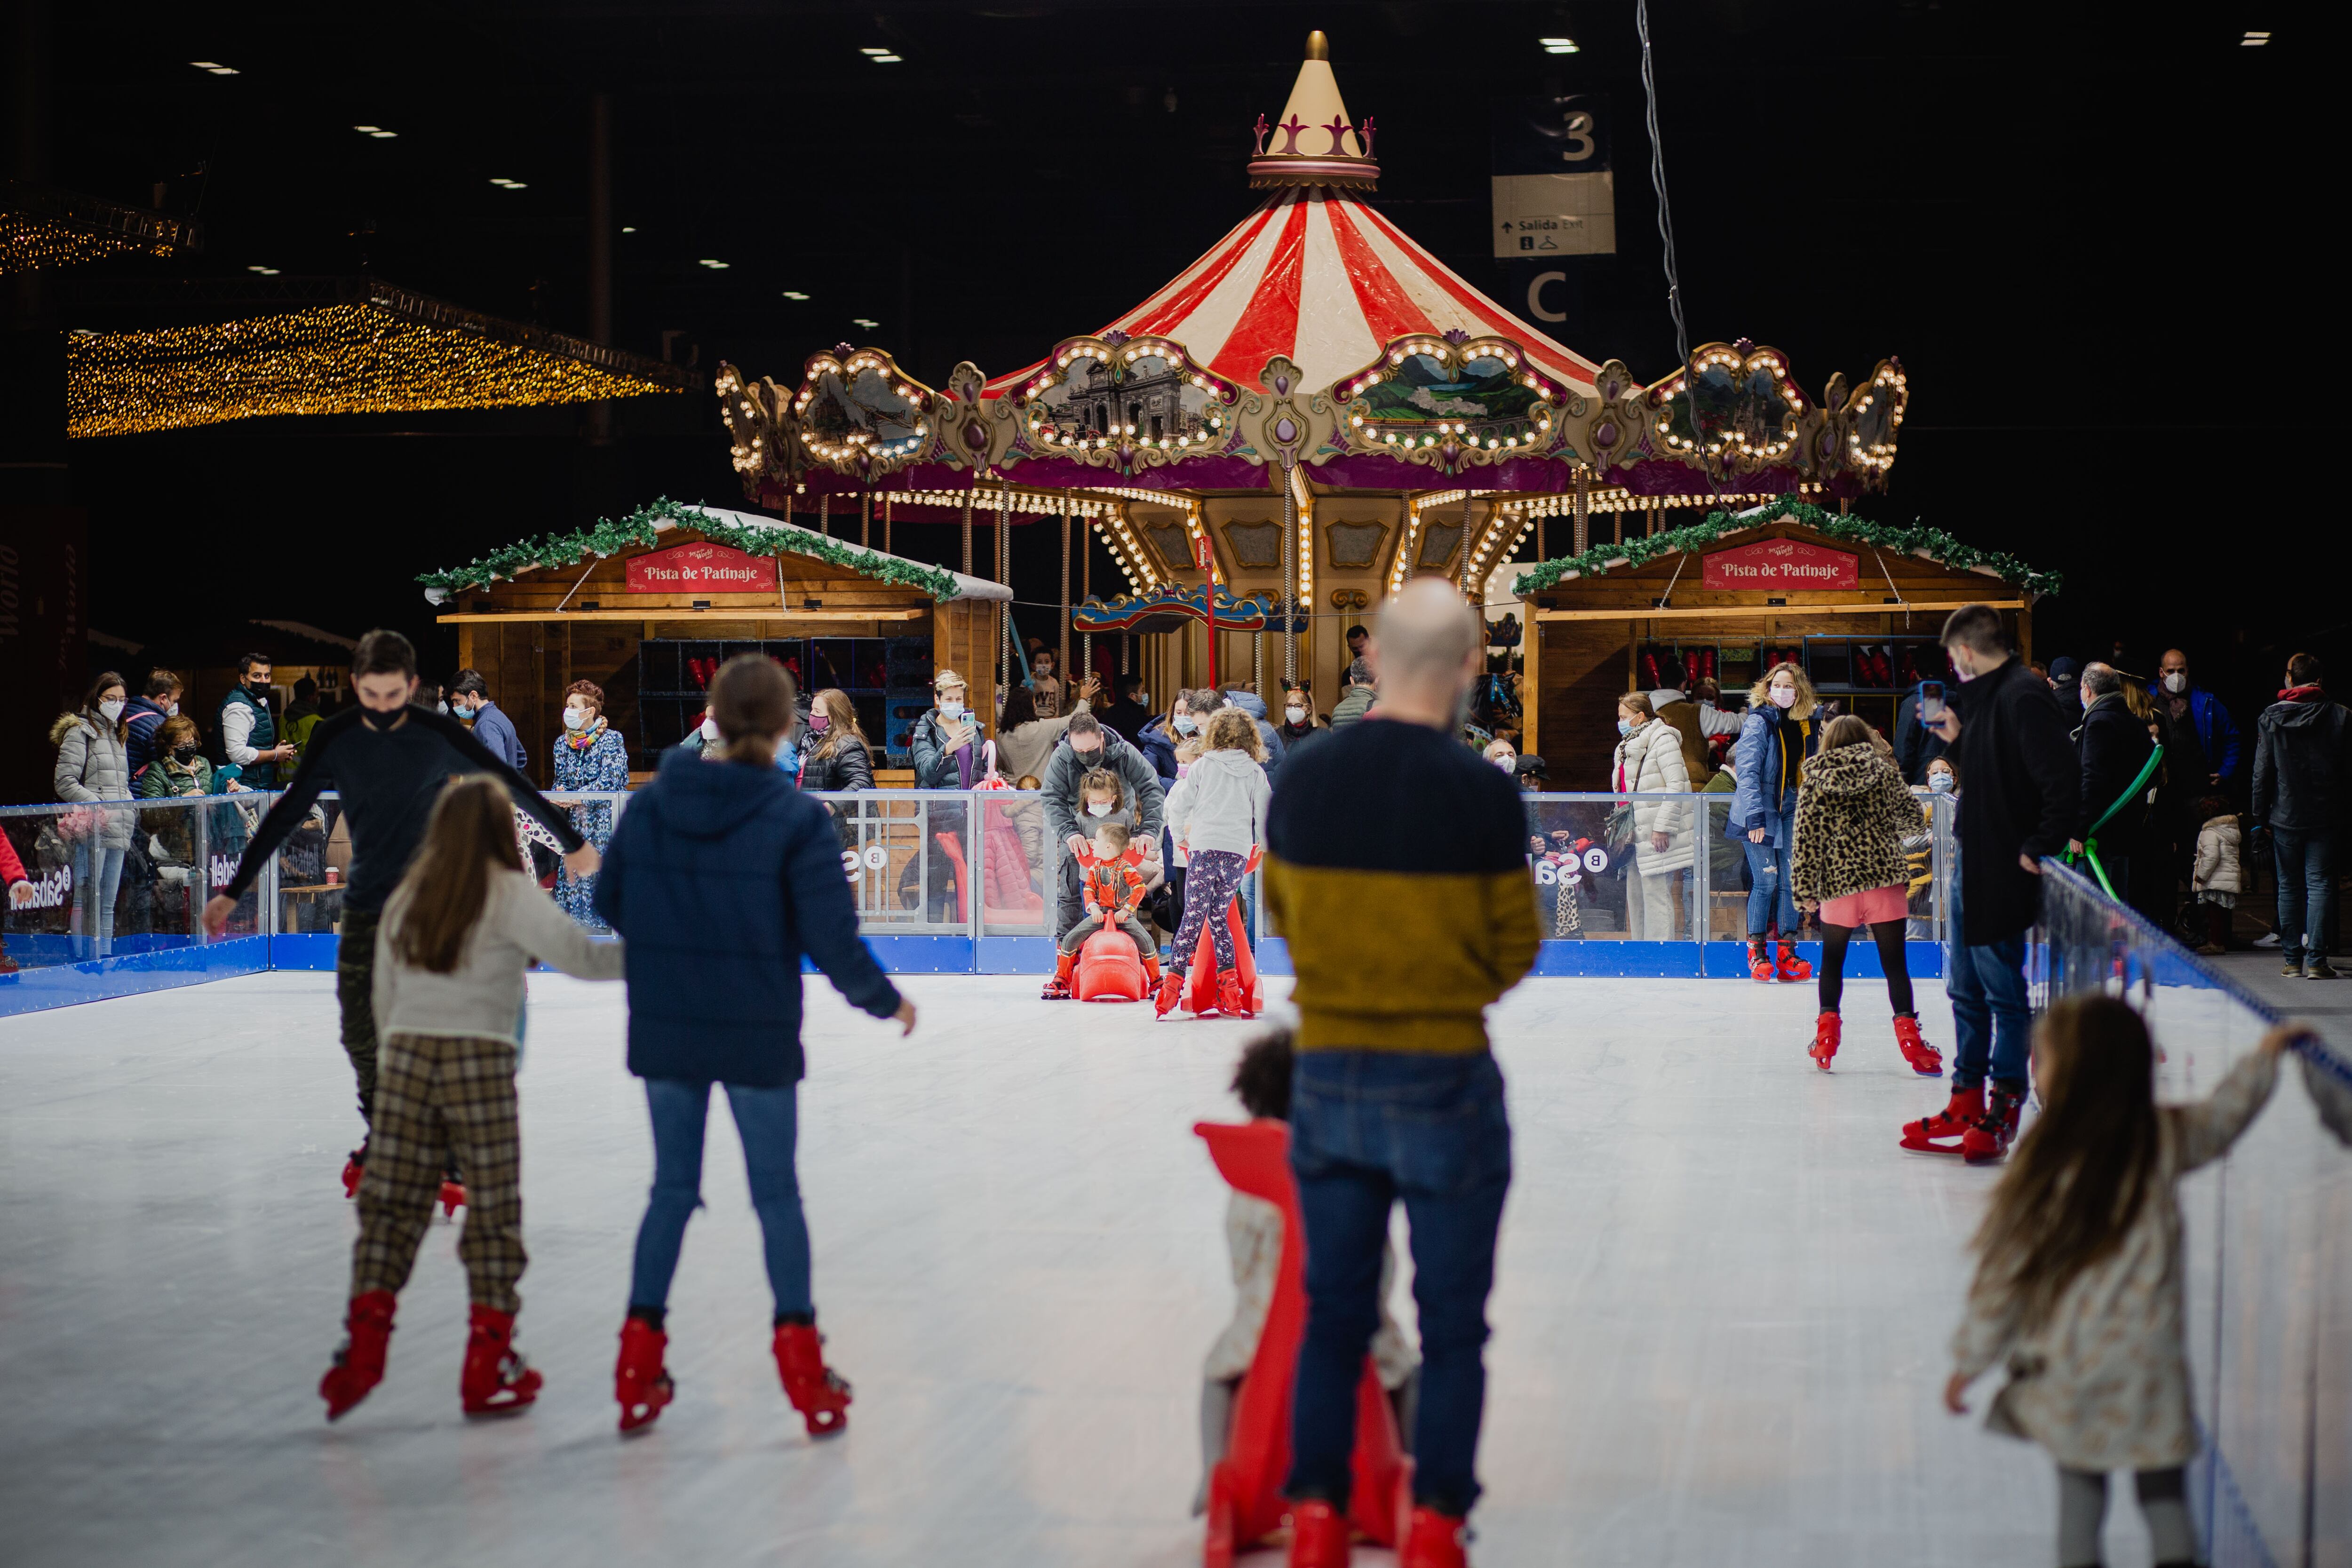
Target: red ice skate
[1924,1059]
[1825,1040]
[816,1390]
[1760,967]
[1318,1535]
[1987,1141]
[1172,992]
[1791,969]
[453,1196]
[1942,1134]
[1434,1540]
[496,1379]
[1231,1000]
[640,1382]
[359,1365]
[354,1167]
[1057,989]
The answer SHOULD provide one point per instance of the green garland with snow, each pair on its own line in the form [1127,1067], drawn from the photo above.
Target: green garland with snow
[1932,542]
[608,537]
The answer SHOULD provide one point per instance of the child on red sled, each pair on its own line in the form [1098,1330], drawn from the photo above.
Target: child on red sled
[1114,889]
[1217,821]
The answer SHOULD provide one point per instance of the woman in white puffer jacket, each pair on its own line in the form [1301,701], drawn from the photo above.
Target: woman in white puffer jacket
[1649,761]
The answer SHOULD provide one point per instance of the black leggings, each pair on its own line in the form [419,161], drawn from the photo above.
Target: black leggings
[1889,937]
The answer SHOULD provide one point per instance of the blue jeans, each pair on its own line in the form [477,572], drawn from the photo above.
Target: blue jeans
[1991,1020]
[2306,891]
[768,1119]
[1368,1128]
[101,882]
[1768,871]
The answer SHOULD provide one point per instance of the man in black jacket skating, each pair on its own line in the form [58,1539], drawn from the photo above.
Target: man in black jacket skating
[2019,803]
[2302,777]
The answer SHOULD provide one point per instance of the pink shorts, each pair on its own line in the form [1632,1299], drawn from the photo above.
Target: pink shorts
[1878,905]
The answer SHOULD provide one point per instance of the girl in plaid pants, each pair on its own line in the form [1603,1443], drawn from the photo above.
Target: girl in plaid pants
[457,938]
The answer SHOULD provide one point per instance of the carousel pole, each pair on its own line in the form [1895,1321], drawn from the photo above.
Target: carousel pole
[1583,513]
[886,524]
[1086,591]
[866,518]
[825,514]
[1289,576]
[1542,554]
[967,522]
[1465,543]
[1063,662]
[1004,575]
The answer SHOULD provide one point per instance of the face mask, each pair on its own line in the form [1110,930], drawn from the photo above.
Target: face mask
[184,754]
[1624,726]
[575,718]
[1507,764]
[711,729]
[1183,768]
[1940,783]
[1143,699]
[111,712]
[819,720]
[1784,697]
[2177,683]
[173,712]
[1097,808]
[1085,759]
[440,708]
[1044,672]
[1295,715]
[1186,724]
[260,691]
[951,711]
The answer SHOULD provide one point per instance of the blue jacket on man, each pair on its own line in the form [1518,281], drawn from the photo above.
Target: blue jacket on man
[719,877]
[2215,731]
[496,731]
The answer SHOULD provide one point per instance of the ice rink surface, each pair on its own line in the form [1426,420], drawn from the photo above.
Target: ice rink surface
[1720,1327]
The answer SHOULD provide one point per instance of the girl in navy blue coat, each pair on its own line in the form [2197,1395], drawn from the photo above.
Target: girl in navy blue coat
[721,875]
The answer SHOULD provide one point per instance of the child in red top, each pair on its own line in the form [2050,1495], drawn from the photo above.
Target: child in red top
[1114,888]
[20,892]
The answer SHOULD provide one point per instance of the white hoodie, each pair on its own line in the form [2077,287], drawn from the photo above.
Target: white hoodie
[1222,804]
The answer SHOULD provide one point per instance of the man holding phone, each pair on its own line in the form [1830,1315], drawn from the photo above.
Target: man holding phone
[1916,743]
[2012,748]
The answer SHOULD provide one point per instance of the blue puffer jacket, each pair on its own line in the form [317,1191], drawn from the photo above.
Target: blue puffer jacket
[1760,798]
[719,877]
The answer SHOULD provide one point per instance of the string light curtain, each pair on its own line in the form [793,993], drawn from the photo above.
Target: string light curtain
[390,352]
[42,228]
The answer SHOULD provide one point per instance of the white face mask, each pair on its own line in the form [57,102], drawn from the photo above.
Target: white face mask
[1506,762]
[711,729]
[951,711]
[111,712]
[440,708]
[1784,697]
[1097,808]
[1186,724]
[173,712]
[575,718]
[1295,715]
[1940,783]
[1143,699]
[2177,683]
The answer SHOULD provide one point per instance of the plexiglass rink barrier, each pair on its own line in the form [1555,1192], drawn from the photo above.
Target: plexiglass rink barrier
[2268,1263]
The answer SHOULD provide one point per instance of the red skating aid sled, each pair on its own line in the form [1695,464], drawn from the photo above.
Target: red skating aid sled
[1245,1500]
[1109,969]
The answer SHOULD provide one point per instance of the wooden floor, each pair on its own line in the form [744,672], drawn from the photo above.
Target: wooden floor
[1720,1327]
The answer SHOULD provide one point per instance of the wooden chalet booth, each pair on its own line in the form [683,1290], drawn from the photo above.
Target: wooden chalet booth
[1859,604]
[649,606]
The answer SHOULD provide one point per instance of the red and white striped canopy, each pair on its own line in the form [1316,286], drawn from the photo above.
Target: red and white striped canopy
[1325,280]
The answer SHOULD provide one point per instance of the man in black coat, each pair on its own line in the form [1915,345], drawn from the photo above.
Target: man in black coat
[2113,747]
[2302,779]
[2020,795]
[1129,715]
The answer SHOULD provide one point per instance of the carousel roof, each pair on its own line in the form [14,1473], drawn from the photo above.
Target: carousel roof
[1320,277]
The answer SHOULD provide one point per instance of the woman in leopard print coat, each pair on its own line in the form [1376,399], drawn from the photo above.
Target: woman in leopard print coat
[1853,814]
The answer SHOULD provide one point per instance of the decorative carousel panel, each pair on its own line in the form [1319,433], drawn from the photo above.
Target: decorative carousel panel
[1735,406]
[1438,542]
[758,428]
[1255,546]
[1116,402]
[1171,542]
[1353,546]
[1868,422]
[1452,400]
[1169,608]
[859,413]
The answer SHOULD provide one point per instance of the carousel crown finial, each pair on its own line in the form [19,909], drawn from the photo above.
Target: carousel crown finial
[1315,142]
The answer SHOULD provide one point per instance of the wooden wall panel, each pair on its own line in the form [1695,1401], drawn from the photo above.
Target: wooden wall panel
[1580,673]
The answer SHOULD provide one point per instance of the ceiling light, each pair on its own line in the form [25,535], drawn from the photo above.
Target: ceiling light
[265,271]
[795,294]
[377,131]
[506,185]
[1559,46]
[215,66]
[887,59]
[2253,40]
[866,321]
[873,51]
[714,264]
[628,228]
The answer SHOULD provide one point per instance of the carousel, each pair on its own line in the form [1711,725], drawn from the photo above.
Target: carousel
[1313,412]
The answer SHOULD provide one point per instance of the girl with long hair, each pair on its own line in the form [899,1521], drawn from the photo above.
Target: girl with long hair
[1776,737]
[720,877]
[93,767]
[458,934]
[839,756]
[1853,815]
[2078,1281]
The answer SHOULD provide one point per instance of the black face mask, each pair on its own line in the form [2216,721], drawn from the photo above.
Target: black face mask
[184,754]
[260,688]
[1086,759]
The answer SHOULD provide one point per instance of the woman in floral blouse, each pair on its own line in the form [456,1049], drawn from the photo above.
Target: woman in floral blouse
[589,755]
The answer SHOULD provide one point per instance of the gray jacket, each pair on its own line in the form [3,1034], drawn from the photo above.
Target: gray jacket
[1352,707]
[1064,770]
[93,764]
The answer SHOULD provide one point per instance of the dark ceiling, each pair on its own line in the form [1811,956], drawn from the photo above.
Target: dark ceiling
[2067,219]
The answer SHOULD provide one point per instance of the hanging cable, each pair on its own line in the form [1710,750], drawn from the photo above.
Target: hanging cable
[1667,235]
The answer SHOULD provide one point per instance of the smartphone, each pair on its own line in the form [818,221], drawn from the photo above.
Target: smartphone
[1931,701]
